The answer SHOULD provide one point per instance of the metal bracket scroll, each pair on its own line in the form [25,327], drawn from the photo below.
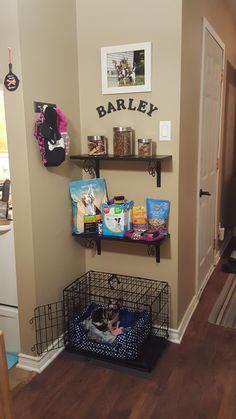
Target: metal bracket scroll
[154,168]
[89,167]
[92,243]
[88,243]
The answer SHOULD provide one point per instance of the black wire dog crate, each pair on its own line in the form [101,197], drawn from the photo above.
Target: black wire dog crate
[143,315]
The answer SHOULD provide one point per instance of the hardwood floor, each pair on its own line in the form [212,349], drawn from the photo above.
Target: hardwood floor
[19,378]
[193,380]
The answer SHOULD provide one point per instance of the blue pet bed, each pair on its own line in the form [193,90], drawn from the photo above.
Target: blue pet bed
[137,326]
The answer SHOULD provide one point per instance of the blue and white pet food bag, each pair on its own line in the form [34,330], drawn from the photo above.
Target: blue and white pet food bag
[158,214]
[87,197]
[116,218]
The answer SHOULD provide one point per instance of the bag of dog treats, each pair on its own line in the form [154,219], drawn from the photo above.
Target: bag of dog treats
[139,218]
[87,197]
[158,214]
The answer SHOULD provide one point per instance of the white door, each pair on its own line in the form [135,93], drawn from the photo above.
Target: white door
[209,134]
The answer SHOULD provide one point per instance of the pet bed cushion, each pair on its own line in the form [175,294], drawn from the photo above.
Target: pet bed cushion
[137,326]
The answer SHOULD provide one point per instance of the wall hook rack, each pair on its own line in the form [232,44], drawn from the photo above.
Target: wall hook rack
[38,106]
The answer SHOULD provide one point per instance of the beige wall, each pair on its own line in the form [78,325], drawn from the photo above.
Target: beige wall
[219,17]
[45,59]
[104,25]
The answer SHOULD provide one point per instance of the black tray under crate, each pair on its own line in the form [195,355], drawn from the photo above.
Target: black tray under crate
[151,353]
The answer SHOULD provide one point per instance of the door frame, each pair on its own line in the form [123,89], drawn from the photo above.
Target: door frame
[206,26]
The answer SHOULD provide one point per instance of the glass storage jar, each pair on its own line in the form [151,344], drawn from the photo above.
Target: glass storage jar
[97,145]
[144,147]
[122,141]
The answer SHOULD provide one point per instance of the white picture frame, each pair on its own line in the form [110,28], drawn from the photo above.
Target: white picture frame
[126,68]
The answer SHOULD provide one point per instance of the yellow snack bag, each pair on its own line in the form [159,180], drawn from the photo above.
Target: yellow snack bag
[139,218]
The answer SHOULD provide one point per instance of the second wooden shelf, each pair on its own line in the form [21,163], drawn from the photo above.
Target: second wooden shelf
[97,239]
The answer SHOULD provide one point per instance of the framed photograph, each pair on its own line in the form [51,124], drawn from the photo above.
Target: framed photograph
[126,68]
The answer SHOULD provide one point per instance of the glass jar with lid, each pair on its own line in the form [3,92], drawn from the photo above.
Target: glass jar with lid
[144,147]
[122,141]
[97,145]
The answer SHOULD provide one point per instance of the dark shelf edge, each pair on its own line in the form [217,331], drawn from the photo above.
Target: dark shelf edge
[119,158]
[121,239]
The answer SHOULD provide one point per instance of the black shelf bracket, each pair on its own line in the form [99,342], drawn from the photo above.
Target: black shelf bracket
[154,250]
[154,169]
[97,168]
[91,243]
[98,245]
[157,254]
[88,243]
[91,166]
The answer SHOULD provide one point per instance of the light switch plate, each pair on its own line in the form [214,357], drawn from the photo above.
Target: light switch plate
[165,131]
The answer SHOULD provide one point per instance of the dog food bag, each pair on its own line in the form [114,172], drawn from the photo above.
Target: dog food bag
[158,214]
[87,197]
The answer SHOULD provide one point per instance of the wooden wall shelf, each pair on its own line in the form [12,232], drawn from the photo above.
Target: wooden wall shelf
[92,163]
[152,246]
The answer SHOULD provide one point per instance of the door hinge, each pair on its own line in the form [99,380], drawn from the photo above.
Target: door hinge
[217,163]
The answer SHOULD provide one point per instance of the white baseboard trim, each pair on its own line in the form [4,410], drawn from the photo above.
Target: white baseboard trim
[176,335]
[217,259]
[223,247]
[203,286]
[37,363]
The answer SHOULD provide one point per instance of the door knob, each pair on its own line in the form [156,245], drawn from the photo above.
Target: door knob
[201,192]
